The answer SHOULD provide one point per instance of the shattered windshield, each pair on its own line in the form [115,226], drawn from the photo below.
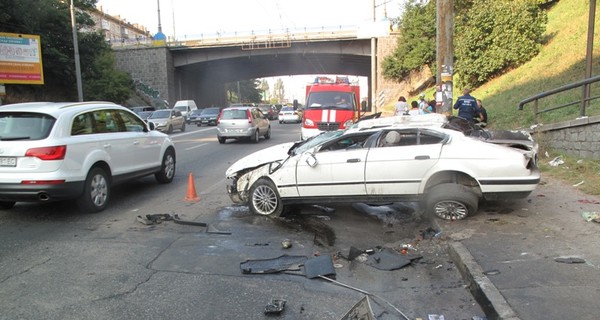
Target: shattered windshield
[315,141]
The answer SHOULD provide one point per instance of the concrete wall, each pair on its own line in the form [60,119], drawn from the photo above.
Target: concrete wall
[153,66]
[579,138]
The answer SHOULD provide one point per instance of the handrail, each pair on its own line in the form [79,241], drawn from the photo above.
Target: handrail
[583,101]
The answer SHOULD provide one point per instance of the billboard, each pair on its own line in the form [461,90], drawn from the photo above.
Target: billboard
[20,59]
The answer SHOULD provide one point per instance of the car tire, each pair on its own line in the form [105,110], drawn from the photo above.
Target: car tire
[169,129]
[5,205]
[167,167]
[264,198]
[280,122]
[450,201]
[268,134]
[221,140]
[198,124]
[183,127]
[96,191]
[256,136]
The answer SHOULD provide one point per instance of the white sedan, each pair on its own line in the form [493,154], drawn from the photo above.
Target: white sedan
[288,114]
[448,172]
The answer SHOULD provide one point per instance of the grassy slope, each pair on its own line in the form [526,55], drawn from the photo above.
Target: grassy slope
[560,62]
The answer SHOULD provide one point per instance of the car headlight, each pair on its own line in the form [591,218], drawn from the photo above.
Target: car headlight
[309,123]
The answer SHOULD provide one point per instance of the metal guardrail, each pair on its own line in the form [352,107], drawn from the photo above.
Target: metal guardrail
[583,102]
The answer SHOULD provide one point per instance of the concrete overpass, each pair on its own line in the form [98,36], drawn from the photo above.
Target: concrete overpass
[199,69]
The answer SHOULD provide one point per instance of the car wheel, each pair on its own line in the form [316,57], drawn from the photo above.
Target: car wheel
[264,199]
[280,122]
[183,127]
[96,191]
[221,140]
[198,124]
[451,201]
[169,129]
[167,168]
[5,205]
[256,136]
[268,135]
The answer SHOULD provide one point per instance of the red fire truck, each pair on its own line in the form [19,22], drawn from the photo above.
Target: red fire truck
[331,104]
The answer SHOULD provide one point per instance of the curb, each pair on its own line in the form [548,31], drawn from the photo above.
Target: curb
[483,290]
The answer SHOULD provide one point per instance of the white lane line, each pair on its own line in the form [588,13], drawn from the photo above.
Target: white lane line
[192,132]
[198,146]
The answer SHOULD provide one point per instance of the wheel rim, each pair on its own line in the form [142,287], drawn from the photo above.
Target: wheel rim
[264,200]
[451,210]
[169,166]
[99,190]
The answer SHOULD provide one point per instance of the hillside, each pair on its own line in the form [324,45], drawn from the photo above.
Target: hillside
[561,61]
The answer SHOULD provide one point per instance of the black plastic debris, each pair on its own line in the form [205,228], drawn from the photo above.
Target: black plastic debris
[276,306]
[388,259]
[158,218]
[319,266]
[273,265]
[429,233]
[360,311]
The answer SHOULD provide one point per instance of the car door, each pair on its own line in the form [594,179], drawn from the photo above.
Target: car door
[145,147]
[116,144]
[177,119]
[262,122]
[398,167]
[338,170]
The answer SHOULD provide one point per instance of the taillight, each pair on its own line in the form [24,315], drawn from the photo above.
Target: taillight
[48,153]
[249,114]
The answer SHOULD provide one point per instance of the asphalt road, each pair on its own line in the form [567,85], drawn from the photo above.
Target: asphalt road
[56,263]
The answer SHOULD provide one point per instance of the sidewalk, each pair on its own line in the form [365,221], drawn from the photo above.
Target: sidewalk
[508,255]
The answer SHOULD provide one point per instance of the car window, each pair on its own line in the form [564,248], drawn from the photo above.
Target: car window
[82,124]
[177,113]
[257,114]
[25,125]
[105,121]
[411,137]
[355,141]
[234,114]
[160,114]
[130,122]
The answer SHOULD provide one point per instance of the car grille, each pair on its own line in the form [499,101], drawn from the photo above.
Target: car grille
[328,126]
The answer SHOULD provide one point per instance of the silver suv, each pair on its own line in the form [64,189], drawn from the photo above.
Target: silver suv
[62,151]
[242,123]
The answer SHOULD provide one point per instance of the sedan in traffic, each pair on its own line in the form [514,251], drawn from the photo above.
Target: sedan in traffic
[446,171]
[167,120]
[288,114]
[209,117]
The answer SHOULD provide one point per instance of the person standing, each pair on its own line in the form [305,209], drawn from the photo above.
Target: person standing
[467,106]
[422,103]
[483,119]
[415,108]
[401,106]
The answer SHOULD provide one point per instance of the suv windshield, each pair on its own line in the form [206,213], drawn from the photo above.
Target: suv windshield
[25,126]
[330,100]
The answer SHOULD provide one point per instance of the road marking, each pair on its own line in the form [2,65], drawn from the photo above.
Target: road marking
[192,132]
[198,146]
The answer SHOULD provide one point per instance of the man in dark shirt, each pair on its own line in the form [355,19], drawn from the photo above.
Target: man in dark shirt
[483,119]
[467,106]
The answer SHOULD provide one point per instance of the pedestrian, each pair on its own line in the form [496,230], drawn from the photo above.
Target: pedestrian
[482,121]
[430,106]
[401,106]
[467,106]
[422,103]
[414,108]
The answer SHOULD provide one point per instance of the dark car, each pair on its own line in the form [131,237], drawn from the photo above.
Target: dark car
[193,117]
[209,117]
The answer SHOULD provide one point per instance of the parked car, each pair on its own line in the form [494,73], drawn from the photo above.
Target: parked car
[185,106]
[209,116]
[193,117]
[288,114]
[242,123]
[63,151]
[167,120]
[269,110]
[448,172]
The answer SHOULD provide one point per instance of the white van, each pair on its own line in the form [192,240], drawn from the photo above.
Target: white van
[185,106]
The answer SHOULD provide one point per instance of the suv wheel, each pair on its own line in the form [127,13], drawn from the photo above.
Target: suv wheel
[451,201]
[167,168]
[264,199]
[96,191]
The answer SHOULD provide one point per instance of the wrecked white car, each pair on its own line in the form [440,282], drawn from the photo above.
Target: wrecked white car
[383,160]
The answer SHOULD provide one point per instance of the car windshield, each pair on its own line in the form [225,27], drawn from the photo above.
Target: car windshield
[25,126]
[330,100]
[160,114]
[145,114]
[287,109]
[315,141]
[210,111]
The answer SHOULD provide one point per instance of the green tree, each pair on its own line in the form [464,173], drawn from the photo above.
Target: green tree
[494,36]
[416,44]
[244,91]
[279,90]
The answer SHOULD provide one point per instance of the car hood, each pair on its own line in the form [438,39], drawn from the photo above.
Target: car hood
[261,157]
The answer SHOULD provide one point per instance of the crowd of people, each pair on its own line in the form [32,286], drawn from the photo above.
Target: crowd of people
[468,107]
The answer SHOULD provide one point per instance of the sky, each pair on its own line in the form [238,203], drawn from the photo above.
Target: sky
[194,19]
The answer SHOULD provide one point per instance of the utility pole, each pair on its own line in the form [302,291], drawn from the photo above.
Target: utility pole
[445,55]
[589,54]
[76,49]
[374,67]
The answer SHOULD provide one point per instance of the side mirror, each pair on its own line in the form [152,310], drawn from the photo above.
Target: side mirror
[151,126]
[311,160]
[363,106]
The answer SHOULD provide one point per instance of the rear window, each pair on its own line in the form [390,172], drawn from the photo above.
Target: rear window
[234,114]
[25,126]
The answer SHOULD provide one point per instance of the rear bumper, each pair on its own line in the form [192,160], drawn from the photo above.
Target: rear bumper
[40,193]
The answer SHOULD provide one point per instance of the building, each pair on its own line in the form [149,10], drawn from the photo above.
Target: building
[118,31]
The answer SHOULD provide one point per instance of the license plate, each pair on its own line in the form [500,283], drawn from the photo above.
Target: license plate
[8,162]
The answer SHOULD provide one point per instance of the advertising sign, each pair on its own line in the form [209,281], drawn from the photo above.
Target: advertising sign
[20,59]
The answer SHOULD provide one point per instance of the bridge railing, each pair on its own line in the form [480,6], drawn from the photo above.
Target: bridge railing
[585,84]
[247,37]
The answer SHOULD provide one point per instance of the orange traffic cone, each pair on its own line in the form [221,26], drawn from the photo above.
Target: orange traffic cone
[191,191]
